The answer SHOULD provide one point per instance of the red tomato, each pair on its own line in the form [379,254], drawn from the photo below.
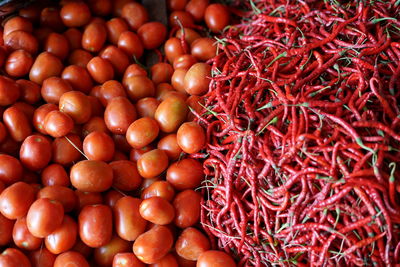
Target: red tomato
[184,62]
[197,79]
[185,174]
[191,244]
[98,146]
[126,259]
[91,176]
[74,38]
[100,69]
[53,88]
[197,8]
[66,196]
[64,237]
[126,175]
[142,132]
[93,125]
[6,229]
[35,152]
[171,113]
[157,210]
[17,23]
[18,63]
[152,163]
[168,261]
[94,36]
[191,137]
[78,76]
[139,87]
[152,34]
[46,65]
[12,257]
[187,208]
[104,255]
[17,123]
[146,107]
[217,17]
[119,114]
[44,217]
[75,14]
[204,48]
[135,14]
[58,124]
[160,189]
[21,40]
[128,222]
[79,57]
[23,238]
[71,258]
[65,149]
[161,72]
[115,27]
[9,91]
[118,59]
[130,43]
[95,225]
[153,245]
[215,258]
[42,257]
[57,44]
[88,198]
[169,144]
[76,105]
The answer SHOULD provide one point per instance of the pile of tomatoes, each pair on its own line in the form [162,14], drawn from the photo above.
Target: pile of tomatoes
[94,165]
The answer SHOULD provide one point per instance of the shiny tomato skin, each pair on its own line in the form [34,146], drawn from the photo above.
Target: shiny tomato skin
[44,216]
[191,137]
[126,175]
[35,152]
[65,195]
[217,17]
[64,237]
[46,65]
[23,238]
[142,132]
[104,255]
[171,113]
[72,258]
[152,163]
[17,123]
[119,114]
[126,259]
[42,257]
[9,91]
[187,208]
[128,222]
[157,210]
[215,258]
[12,257]
[98,146]
[6,229]
[16,199]
[185,174]
[159,189]
[95,225]
[91,176]
[153,245]
[75,14]
[191,243]
[167,261]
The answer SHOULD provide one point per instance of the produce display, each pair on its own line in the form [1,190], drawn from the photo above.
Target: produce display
[265,134]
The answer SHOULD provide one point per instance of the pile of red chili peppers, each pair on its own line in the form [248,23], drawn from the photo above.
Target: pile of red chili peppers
[303,122]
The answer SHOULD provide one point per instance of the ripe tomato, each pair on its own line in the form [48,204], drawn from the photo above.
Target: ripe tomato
[18,63]
[94,36]
[95,225]
[153,245]
[197,79]
[167,261]
[157,210]
[15,24]
[204,48]
[139,87]
[42,257]
[23,238]
[65,195]
[152,163]
[126,175]
[46,65]
[53,88]
[35,152]
[161,73]
[78,76]
[130,43]
[9,91]
[187,208]
[128,222]
[76,104]
[12,257]
[146,107]
[6,229]
[126,259]
[215,258]
[216,17]
[75,14]
[160,189]
[64,237]
[152,34]
[118,59]
[65,151]
[100,69]
[104,255]
[119,114]
[135,14]
[57,44]
[191,137]
[91,176]
[142,132]
[185,174]
[191,244]
[171,113]
[115,27]
[74,38]
[44,217]
[58,124]
[17,123]
[71,258]
[98,146]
